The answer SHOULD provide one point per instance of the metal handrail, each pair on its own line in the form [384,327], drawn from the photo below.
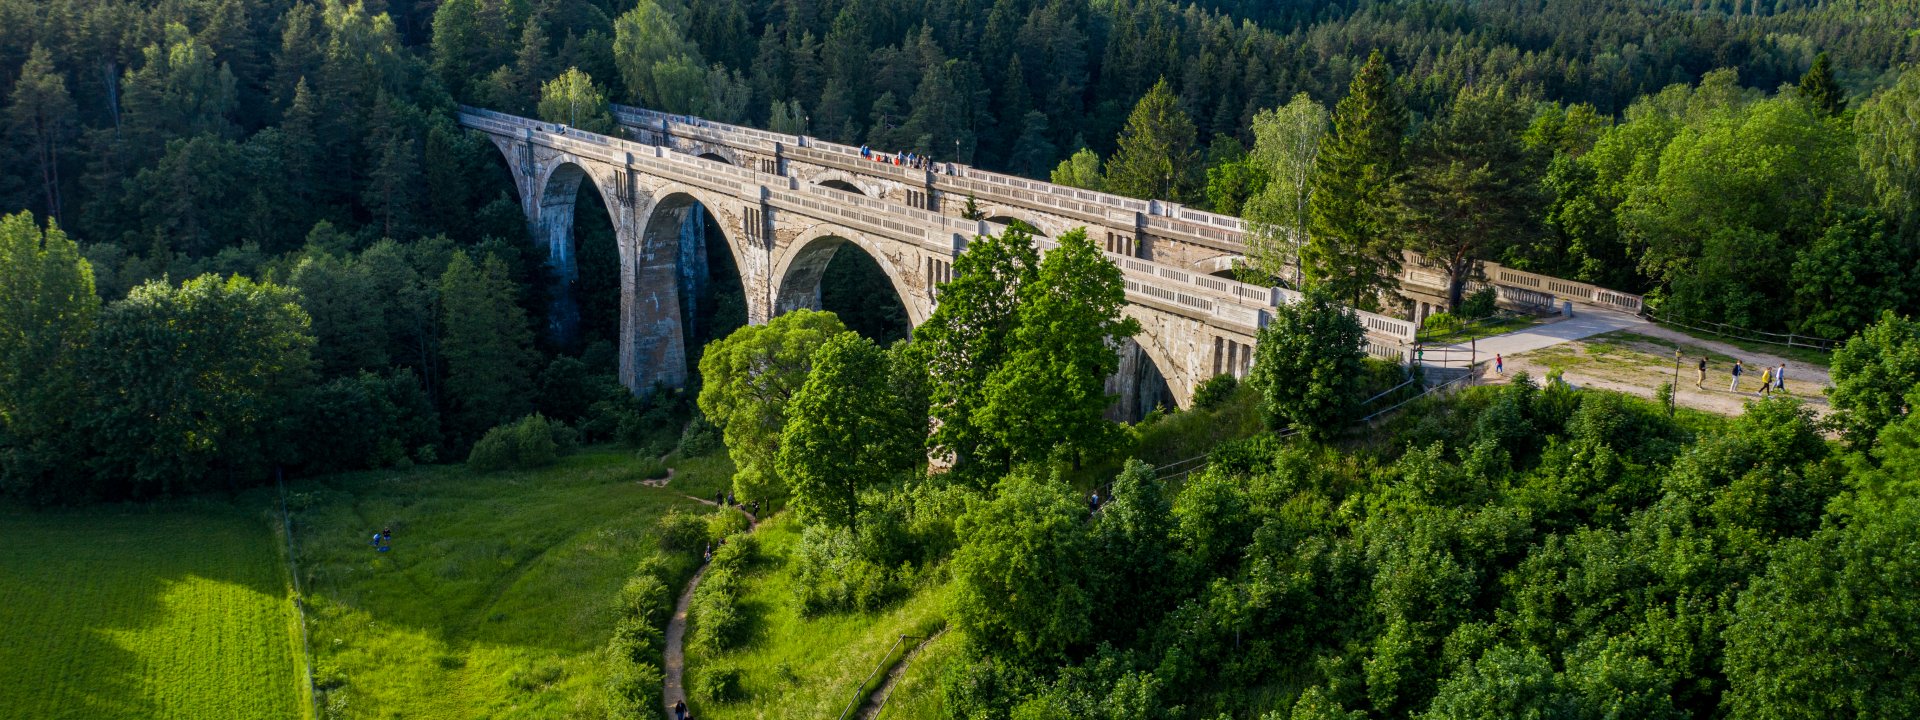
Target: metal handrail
[858,692]
[1750,335]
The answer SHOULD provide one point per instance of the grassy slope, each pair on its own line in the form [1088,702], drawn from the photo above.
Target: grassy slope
[916,696]
[162,612]
[497,594]
[796,667]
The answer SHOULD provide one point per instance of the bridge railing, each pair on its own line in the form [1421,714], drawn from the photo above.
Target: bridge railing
[1524,287]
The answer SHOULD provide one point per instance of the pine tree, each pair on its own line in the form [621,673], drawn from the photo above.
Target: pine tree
[42,115]
[1156,157]
[1032,152]
[1819,88]
[1350,250]
[1472,187]
[487,343]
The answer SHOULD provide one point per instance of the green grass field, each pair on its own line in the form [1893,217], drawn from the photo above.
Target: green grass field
[496,597]
[916,695]
[171,611]
[795,667]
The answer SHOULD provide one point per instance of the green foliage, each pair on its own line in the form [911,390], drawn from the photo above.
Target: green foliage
[1081,170]
[203,377]
[1021,572]
[573,99]
[1308,365]
[720,683]
[1155,159]
[1876,377]
[1349,250]
[1855,270]
[528,443]
[1215,391]
[487,343]
[1889,153]
[845,431]
[1050,394]
[748,379]
[1285,147]
[970,335]
[1820,90]
[684,532]
[1470,189]
[1480,303]
[835,576]
[47,313]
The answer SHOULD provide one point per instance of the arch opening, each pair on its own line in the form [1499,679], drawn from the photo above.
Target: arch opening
[1011,221]
[837,275]
[1138,386]
[842,186]
[687,291]
[716,157]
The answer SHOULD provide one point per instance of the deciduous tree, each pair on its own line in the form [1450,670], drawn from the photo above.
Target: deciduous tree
[1308,365]
[488,346]
[846,430]
[747,380]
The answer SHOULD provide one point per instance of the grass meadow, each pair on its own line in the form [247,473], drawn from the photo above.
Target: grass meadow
[798,667]
[163,611]
[498,592]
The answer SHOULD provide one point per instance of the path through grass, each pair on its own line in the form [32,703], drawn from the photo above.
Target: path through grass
[496,597]
[172,611]
[797,667]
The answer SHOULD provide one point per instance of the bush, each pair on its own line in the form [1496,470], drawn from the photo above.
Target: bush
[718,623]
[647,599]
[531,442]
[633,689]
[720,683]
[1215,391]
[724,524]
[683,531]
[701,437]
[1440,322]
[1480,303]
[833,577]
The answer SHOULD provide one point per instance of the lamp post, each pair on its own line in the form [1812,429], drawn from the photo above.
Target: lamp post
[1673,397]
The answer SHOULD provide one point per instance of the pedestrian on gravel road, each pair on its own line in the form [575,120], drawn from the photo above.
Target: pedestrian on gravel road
[1737,370]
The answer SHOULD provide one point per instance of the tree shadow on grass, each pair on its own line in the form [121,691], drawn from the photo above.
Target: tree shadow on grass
[103,615]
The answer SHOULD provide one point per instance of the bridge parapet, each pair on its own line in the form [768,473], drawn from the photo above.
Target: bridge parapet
[1524,288]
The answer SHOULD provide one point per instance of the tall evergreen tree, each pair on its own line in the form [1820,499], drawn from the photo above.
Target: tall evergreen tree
[1472,188]
[1350,249]
[1819,87]
[1156,157]
[488,346]
[42,115]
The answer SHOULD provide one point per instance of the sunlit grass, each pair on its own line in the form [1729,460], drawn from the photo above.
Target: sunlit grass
[497,594]
[796,667]
[172,611]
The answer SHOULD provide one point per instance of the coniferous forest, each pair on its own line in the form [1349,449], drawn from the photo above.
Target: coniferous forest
[243,240]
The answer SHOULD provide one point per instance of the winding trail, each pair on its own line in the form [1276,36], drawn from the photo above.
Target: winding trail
[877,701]
[673,666]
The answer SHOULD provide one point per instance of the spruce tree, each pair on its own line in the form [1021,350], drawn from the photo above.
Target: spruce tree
[487,343]
[1819,88]
[42,115]
[1349,249]
[1155,158]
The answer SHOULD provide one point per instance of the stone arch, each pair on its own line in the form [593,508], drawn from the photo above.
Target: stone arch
[1220,265]
[849,182]
[657,277]
[1144,381]
[1001,214]
[511,156]
[557,189]
[797,274]
[715,157]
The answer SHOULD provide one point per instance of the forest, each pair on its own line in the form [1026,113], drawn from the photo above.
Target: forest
[245,240]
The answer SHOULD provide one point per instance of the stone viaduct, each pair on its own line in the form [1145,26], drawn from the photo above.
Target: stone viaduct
[786,204]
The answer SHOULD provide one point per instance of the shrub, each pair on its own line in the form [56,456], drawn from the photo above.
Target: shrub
[718,623]
[683,531]
[1441,322]
[700,438]
[1480,303]
[633,688]
[725,523]
[1215,391]
[531,442]
[834,577]
[720,683]
[646,599]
